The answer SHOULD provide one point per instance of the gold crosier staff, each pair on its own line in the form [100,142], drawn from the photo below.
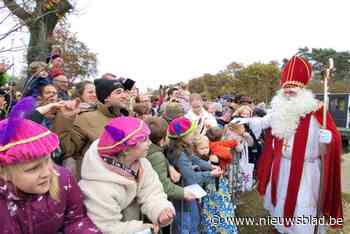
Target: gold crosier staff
[324,126]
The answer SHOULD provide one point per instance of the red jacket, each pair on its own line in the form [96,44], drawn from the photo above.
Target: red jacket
[223,149]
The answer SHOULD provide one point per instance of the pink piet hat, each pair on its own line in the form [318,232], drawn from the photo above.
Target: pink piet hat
[23,140]
[121,133]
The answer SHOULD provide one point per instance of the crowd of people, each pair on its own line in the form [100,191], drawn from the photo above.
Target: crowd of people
[99,157]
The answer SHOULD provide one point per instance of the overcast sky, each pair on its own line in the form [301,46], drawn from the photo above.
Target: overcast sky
[165,41]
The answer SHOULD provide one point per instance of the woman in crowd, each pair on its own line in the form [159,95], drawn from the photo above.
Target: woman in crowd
[86,93]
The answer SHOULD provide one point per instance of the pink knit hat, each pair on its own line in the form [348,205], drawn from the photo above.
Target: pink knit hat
[120,133]
[22,140]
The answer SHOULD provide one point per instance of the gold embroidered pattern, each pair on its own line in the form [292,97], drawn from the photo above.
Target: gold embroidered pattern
[122,140]
[34,138]
[293,82]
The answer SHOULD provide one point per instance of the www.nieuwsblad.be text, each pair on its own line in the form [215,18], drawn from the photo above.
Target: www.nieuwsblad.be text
[259,221]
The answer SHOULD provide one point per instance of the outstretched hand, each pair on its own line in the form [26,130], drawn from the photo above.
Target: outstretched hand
[70,108]
[240,121]
[50,107]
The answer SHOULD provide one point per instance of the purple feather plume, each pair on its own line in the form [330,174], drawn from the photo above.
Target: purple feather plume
[24,107]
[115,133]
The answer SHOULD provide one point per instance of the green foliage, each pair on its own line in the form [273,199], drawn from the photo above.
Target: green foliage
[257,80]
[260,81]
[212,86]
[320,57]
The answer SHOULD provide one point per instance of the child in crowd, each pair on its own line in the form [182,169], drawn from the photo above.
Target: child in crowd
[237,132]
[160,163]
[38,72]
[220,147]
[117,180]
[36,196]
[180,133]
[218,202]
[201,146]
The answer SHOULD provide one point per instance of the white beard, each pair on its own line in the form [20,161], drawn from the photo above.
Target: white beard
[287,111]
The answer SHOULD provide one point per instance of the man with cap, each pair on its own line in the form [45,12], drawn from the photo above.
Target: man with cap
[78,130]
[289,169]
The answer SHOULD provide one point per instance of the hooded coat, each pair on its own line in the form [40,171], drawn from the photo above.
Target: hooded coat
[113,201]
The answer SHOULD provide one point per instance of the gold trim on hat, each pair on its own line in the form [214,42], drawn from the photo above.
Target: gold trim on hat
[289,68]
[34,138]
[293,82]
[291,75]
[122,140]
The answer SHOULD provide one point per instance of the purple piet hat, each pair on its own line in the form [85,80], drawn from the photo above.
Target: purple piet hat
[121,133]
[23,140]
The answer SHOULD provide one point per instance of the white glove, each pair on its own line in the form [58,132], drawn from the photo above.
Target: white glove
[325,136]
[240,121]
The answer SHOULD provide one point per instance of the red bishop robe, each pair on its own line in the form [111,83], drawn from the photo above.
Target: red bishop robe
[269,168]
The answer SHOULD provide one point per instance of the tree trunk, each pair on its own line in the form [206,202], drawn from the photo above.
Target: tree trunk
[40,24]
[39,46]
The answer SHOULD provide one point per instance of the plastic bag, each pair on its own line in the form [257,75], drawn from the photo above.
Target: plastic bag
[245,171]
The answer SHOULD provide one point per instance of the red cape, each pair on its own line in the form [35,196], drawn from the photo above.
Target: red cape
[269,165]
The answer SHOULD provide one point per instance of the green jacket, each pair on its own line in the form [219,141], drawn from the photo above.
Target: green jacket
[160,164]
